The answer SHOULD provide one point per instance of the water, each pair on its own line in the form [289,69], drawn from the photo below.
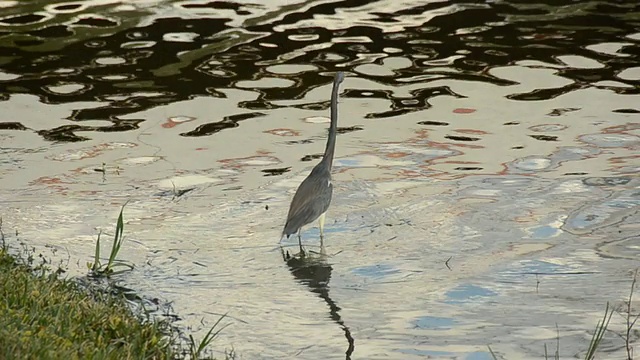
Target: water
[486,183]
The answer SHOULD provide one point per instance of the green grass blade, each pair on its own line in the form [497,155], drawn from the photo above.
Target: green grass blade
[117,239]
[546,352]
[96,258]
[601,328]
[196,351]
[557,354]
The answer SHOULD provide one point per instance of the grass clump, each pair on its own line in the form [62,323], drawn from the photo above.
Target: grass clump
[602,327]
[97,268]
[598,334]
[197,348]
[45,317]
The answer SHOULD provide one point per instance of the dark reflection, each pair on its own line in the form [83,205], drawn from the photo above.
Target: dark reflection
[295,142]
[544,137]
[211,128]
[276,172]
[461,138]
[433,123]
[546,94]
[464,42]
[315,272]
[67,133]
[347,129]
[96,22]
[417,101]
[627,111]
[22,19]
[562,111]
[311,157]
[67,7]
[12,125]
[227,122]
[222,5]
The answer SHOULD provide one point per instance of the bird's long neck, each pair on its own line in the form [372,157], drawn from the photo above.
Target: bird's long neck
[331,140]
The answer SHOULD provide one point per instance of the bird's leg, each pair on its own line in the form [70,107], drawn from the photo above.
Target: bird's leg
[321,223]
[302,254]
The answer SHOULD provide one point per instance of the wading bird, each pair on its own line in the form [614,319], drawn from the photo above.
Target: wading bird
[313,196]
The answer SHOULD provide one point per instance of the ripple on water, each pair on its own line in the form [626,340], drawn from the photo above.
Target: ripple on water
[606,181]
[89,152]
[626,248]
[544,231]
[317,119]
[547,127]
[117,77]
[632,74]
[184,181]
[176,120]
[65,8]
[377,271]
[281,64]
[532,163]
[611,140]
[596,215]
[138,44]
[110,60]
[361,161]
[475,192]
[67,89]
[265,83]
[140,160]
[180,36]
[479,355]
[570,187]
[434,322]
[258,160]
[507,182]
[426,153]
[610,48]
[426,353]
[465,293]
[290,69]
[6,76]
[525,268]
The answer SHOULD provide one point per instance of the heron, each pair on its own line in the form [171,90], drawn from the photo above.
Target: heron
[313,196]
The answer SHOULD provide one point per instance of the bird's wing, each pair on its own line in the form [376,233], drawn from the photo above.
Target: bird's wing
[309,202]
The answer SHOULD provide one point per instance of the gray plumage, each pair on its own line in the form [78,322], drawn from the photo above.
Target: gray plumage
[305,209]
[313,197]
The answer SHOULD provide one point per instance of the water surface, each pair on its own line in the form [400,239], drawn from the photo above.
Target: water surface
[486,183]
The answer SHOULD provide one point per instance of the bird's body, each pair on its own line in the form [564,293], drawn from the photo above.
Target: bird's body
[313,197]
[309,209]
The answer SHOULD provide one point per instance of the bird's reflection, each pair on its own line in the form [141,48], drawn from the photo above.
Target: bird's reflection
[315,272]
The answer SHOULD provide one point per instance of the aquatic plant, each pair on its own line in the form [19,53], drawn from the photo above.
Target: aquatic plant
[97,268]
[196,348]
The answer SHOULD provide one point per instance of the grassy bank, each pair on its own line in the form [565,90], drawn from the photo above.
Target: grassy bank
[45,318]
